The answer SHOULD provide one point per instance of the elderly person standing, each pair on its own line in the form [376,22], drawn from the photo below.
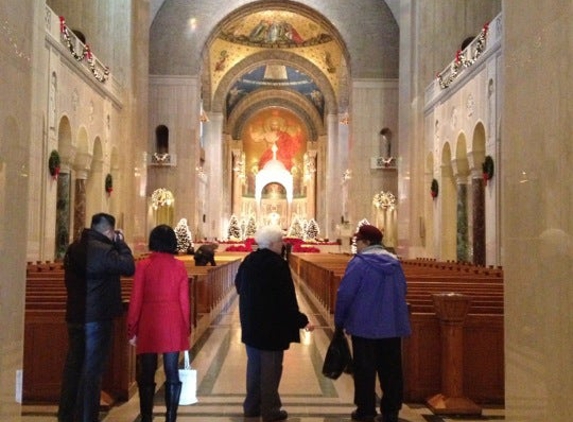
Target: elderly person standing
[270,321]
[371,306]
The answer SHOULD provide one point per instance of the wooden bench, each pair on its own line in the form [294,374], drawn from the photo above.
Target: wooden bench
[483,336]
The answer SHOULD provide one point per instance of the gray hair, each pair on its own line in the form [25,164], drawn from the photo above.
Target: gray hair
[267,235]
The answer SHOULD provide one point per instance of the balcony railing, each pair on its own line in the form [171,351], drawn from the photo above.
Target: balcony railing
[487,41]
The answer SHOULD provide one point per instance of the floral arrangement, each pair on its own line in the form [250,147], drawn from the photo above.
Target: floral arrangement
[54,163]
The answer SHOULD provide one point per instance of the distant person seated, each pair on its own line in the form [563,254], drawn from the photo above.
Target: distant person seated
[205,254]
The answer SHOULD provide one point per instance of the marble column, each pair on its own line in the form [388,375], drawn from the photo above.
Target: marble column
[462,244]
[478,218]
[63,213]
[79,207]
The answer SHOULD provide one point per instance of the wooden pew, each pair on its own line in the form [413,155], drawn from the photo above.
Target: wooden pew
[483,342]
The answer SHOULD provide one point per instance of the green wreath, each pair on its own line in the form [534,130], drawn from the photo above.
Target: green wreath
[434,188]
[487,168]
[54,163]
[108,183]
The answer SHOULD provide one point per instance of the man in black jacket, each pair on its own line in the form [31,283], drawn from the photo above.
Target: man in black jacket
[270,321]
[93,265]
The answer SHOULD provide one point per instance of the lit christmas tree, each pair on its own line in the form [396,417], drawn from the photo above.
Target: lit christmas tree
[234,230]
[183,234]
[296,229]
[312,230]
[251,228]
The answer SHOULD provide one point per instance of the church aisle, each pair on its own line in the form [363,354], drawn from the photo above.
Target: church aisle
[220,359]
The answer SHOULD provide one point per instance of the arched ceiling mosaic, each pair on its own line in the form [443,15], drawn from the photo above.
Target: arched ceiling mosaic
[275,76]
[262,33]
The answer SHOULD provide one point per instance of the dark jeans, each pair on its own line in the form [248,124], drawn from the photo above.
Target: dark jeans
[382,357]
[88,350]
[264,371]
[147,366]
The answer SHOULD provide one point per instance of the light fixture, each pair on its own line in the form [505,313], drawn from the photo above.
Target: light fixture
[162,198]
[384,200]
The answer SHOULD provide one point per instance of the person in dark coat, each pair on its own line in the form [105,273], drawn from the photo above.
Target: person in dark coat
[270,321]
[158,320]
[205,254]
[93,265]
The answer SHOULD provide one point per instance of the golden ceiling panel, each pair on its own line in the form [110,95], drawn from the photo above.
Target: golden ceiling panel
[275,29]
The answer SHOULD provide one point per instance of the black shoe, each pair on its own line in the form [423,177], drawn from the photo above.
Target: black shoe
[390,417]
[252,414]
[355,416]
[281,416]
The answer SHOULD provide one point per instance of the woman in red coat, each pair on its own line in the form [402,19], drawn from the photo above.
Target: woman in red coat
[158,320]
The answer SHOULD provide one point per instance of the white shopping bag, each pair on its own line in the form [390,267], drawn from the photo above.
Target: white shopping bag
[188,378]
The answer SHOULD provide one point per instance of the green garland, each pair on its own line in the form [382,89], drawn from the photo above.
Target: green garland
[487,168]
[108,183]
[434,188]
[54,163]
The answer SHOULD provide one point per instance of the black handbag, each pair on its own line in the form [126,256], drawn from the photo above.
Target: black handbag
[338,358]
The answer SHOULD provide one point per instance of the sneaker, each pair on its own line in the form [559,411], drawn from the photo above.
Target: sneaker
[281,416]
[355,416]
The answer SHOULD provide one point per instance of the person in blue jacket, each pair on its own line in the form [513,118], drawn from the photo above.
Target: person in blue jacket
[371,307]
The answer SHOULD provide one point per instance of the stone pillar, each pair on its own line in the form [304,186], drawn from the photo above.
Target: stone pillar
[63,212]
[478,218]
[451,309]
[311,185]
[462,243]
[82,166]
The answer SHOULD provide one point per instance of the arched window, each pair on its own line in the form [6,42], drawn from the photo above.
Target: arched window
[162,139]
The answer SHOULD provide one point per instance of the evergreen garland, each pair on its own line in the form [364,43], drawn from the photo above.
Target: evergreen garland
[487,168]
[434,188]
[54,163]
[109,183]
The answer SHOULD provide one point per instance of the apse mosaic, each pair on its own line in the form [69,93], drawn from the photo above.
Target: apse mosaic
[275,76]
[271,136]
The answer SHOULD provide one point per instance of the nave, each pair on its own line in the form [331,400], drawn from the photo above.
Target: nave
[220,359]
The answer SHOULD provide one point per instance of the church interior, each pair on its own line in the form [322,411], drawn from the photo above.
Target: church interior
[432,120]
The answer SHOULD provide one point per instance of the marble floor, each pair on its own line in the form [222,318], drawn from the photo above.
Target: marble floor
[220,360]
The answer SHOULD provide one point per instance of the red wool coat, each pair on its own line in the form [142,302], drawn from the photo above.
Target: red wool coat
[159,305]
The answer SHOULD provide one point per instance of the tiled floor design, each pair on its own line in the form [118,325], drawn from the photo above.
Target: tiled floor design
[220,358]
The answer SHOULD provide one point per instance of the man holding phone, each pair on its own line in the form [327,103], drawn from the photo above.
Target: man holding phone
[93,266]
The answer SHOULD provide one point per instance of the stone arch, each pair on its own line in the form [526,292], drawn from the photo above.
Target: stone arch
[263,98]
[66,147]
[478,145]
[271,57]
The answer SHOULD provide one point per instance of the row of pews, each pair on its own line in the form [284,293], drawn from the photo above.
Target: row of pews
[434,290]
[45,332]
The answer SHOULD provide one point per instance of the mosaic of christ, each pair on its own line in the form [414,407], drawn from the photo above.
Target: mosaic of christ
[274,134]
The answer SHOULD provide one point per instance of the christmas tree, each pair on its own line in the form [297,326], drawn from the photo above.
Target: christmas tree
[251,228]
[183,234]
[312,230]
[296,229]
[234,230]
